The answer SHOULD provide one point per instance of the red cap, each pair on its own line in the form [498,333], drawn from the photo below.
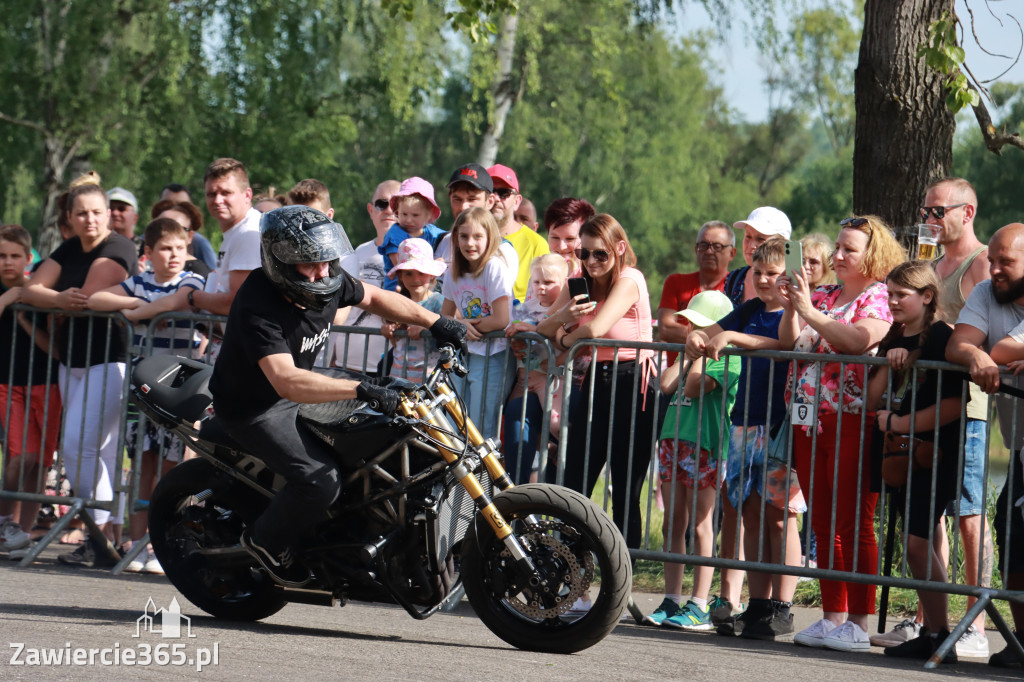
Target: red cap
[504,175]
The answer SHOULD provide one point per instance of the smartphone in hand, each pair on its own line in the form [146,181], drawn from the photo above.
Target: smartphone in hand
[794,258]
[577,286]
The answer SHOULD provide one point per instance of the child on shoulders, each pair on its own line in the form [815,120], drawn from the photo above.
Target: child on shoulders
[416,210]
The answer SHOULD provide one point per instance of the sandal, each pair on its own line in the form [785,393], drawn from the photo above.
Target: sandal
[75,536]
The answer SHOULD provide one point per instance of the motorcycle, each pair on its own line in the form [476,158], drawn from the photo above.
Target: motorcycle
[426,510]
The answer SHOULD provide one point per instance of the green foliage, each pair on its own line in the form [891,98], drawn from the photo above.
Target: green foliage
[942,53]
[995,177]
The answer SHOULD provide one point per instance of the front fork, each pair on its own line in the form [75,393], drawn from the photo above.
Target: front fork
[496,471]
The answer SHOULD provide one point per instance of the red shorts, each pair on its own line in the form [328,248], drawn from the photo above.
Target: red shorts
[43,403]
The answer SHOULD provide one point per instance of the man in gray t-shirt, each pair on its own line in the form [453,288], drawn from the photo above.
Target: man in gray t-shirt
[992,310]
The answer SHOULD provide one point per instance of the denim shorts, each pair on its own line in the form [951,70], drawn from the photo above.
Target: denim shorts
[748,461]
[973,488]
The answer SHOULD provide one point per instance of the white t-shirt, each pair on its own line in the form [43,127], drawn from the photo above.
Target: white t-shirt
[474,296]
[240,249]
[997,320]
[508,252]
[366,265]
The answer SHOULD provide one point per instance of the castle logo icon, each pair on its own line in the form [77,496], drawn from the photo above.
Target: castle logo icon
[165,622]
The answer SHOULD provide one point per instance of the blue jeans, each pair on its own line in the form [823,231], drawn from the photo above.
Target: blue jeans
[488,382]
[973,489]
[522,432]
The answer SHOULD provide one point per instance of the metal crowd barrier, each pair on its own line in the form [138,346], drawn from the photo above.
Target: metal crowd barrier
[646,449]
[31,490]
[538,352]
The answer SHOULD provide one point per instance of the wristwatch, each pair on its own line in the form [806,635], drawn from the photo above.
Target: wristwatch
[191,302]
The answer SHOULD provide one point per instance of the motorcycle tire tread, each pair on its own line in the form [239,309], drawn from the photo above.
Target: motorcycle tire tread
[615,566]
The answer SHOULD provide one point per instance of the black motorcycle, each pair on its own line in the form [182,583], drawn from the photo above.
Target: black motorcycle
[418,518]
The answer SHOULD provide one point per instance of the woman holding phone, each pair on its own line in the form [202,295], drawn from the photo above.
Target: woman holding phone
[615,306]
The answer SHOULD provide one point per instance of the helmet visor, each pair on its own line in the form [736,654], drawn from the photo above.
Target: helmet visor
[315,244]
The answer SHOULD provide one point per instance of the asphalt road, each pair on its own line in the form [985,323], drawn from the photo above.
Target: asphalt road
[51,607]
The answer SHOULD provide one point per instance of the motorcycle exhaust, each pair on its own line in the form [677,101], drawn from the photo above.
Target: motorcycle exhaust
[300,596]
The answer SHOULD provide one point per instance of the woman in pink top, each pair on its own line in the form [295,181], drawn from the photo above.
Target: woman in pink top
[622,423]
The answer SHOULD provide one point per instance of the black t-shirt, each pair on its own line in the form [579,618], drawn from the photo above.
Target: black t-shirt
[17,350]
[261,323]
[926,392]
[922,395]
[74,268]
[199,267]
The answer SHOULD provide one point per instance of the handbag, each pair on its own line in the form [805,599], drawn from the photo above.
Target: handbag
[901,453]
[778,444]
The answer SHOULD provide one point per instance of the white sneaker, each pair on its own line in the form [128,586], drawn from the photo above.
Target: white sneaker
[138,563]
[19,554]
[903,632]
[13,537]
[153,566]
[847,637]
[581,607]
[972,644]
[814,636]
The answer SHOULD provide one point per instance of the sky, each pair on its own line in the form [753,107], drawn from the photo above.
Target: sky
[741,64]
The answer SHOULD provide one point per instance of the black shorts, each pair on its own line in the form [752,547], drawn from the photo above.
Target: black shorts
[1011,542]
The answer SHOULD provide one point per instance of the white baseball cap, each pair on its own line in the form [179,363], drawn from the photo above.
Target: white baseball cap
[767,220]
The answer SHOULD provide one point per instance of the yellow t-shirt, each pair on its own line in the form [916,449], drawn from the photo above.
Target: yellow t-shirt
[528,245]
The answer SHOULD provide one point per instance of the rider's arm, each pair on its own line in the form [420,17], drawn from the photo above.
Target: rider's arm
[303,386]
[392,306]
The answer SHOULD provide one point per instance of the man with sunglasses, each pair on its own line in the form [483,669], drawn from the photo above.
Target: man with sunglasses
[716,247]
[951,204]
[527,243]
[356,352]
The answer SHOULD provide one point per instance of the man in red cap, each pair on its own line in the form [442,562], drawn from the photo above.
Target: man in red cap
[528,244]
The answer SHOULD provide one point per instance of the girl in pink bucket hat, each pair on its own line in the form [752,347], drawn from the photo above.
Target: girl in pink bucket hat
[416,210]
[417,272]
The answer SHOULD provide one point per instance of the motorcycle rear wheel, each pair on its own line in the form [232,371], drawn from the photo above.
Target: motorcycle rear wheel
[180,524]
[567,536]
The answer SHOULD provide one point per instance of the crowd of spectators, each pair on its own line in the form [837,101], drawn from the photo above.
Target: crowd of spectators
[802,436]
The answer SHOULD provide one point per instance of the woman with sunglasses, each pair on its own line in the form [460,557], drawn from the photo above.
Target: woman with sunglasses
[843,319]
[618,309]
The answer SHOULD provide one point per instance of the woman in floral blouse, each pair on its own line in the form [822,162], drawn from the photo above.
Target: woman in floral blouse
[844,319]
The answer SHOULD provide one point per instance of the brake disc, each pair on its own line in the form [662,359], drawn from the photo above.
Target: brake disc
[570,574]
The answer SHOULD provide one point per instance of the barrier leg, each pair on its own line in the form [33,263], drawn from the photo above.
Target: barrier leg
[97,535]
[959,630]
[1005,631]
[56,530]
[136,550]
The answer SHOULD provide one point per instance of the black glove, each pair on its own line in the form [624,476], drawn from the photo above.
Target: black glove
[381,399]
[447,331]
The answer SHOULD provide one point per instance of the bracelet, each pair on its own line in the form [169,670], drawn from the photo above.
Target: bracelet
[191,303]
[888,423]
[561,342]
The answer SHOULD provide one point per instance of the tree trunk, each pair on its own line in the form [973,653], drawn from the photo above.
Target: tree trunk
[904,132]
[502,91]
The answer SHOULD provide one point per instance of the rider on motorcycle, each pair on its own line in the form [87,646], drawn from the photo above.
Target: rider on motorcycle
[279,321]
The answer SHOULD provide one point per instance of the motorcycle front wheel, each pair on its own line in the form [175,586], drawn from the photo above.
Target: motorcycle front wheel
[571,541]
[196,516]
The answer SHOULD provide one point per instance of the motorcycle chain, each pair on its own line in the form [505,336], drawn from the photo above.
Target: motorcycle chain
[578,579]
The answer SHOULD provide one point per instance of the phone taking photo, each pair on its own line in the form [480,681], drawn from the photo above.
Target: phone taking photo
[577,286]
[794,258]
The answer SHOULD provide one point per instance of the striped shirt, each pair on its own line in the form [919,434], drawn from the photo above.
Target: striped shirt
[173,336]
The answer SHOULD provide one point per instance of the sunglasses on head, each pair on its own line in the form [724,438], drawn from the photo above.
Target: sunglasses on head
[381,204]
[600,255]
[504,192]
[938,211]
[853,222]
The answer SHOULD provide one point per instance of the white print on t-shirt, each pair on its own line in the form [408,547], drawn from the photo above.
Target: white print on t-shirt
[311,343]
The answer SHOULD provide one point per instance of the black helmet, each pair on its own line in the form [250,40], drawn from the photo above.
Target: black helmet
[299,234]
